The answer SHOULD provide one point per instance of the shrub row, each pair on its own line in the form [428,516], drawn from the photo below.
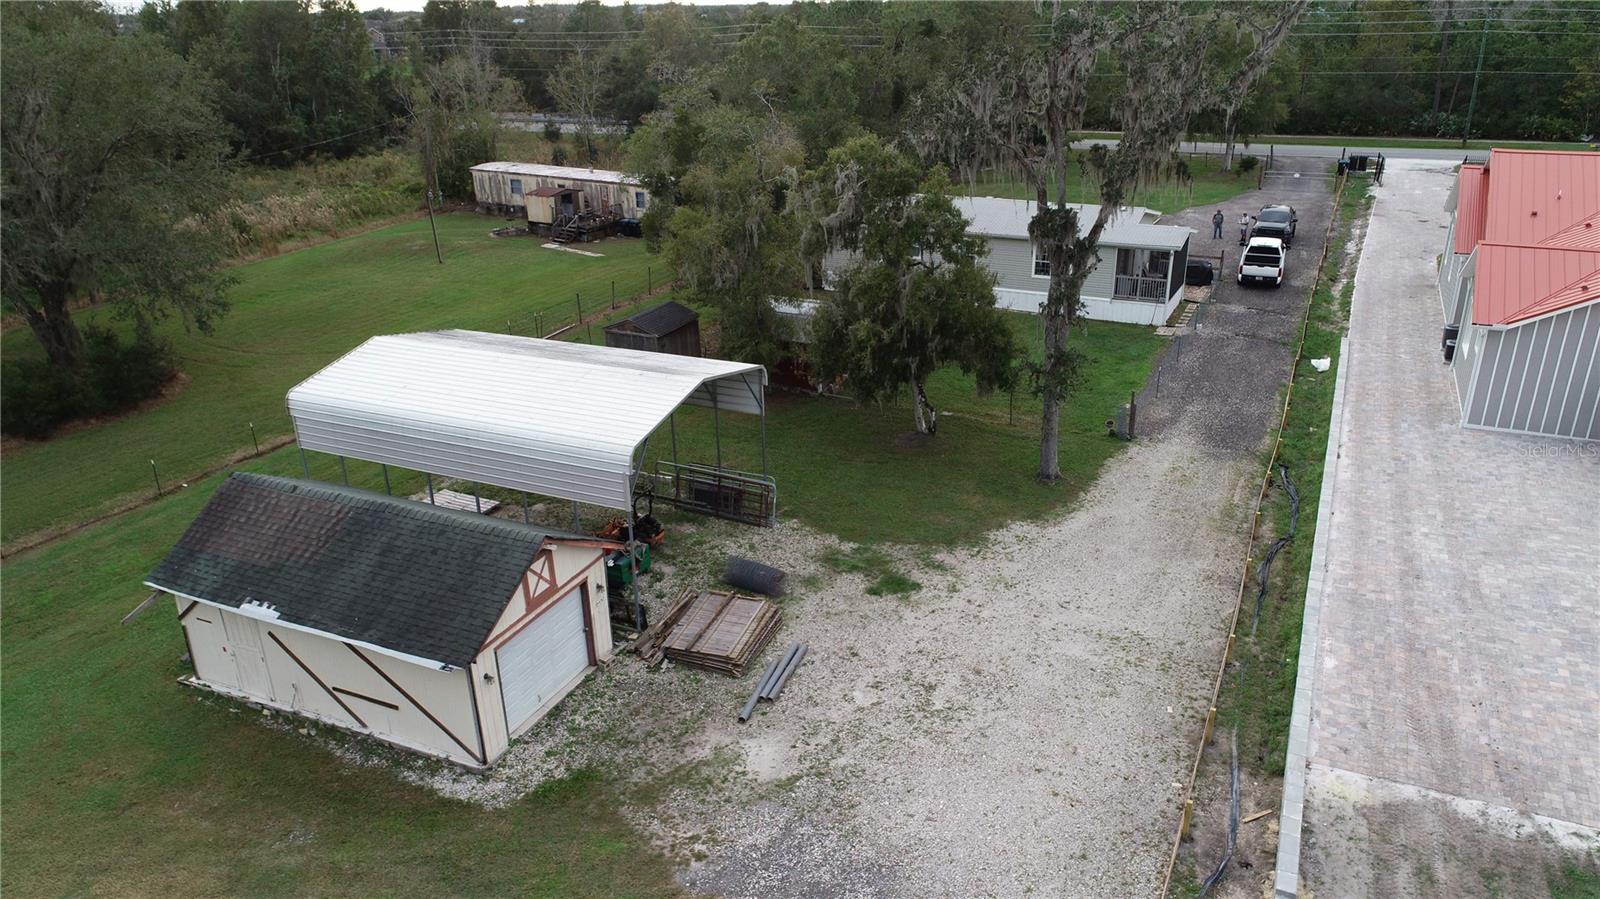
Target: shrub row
[36,397]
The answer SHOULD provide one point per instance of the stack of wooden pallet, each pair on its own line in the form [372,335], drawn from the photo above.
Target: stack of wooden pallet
[713,629]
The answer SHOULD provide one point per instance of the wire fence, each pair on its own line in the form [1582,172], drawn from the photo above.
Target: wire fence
[1186,814]
[591,305]
[588,307]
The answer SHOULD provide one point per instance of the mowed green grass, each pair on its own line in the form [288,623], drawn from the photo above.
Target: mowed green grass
[1208,186]
[119,781]
[863,474]
[291,315]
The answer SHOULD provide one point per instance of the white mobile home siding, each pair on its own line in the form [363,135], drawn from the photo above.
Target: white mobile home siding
[1538,377]
[493,190]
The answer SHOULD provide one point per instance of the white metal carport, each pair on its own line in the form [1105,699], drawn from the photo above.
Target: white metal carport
[560,419]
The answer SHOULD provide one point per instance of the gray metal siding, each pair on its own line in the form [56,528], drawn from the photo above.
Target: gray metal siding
[1542,377]
[1102,282]
[1465,361]
[1012,263]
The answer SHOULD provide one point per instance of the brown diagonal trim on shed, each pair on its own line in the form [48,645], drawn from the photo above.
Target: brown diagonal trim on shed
[372,699]
[477,757]
[325,688]
[187,609]
[477,722]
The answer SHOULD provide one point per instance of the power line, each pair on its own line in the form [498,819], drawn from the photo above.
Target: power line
[328,140]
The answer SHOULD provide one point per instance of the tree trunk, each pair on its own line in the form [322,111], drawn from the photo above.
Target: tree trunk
[51,322]
[1230,130]
[927,417]
[1055,346]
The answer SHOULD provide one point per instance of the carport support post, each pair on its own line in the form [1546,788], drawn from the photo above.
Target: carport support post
[575,515]
[305,467]
[763,436]
[430,488]
[524,507]
[344,472]
[477,501]
[386,489]
[716,424]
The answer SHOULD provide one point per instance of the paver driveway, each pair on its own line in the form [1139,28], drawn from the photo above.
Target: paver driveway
[1455,716]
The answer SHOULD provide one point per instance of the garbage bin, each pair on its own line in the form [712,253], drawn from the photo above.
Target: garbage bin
[1448,342]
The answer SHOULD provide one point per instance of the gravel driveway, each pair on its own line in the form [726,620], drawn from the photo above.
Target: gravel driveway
[1228,364]
[1019,726]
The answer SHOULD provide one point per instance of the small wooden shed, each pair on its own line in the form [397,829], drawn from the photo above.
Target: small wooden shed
[448,633]
[670,327]
[547,205]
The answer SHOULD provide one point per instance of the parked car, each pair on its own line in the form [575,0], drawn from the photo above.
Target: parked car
[1198,273]
[1263,260]
[1276,221]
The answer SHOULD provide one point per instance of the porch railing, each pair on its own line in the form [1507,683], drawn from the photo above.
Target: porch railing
[1137,287]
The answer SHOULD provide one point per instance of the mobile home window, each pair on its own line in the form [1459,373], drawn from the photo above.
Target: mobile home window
[1041,265]
[639,199]
[516,187]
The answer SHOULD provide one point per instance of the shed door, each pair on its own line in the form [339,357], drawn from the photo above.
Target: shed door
[539,661]
[244,641]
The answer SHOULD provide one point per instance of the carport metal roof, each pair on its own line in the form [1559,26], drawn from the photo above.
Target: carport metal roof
[560,419]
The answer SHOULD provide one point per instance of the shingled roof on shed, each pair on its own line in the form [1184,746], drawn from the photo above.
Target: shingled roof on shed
[404,577]
[662,319]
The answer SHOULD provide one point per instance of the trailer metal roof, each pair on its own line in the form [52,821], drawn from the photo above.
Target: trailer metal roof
[572,173]
[1131,226]
[559,419]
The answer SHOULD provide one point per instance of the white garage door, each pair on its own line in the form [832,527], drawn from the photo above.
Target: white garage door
[542,659]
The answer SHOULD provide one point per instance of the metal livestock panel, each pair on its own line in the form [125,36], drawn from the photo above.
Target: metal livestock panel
[1540,377]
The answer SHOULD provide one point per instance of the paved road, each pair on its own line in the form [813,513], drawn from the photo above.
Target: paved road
[1454,743]
[1321,151]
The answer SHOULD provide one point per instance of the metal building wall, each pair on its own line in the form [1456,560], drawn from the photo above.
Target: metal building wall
[1540,377]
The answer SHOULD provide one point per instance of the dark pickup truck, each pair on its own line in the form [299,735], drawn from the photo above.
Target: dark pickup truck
[1276,221]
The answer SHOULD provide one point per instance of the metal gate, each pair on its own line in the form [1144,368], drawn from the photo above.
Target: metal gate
[735,495]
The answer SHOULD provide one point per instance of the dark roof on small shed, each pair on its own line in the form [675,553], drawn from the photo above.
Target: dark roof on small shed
[393,573]
[660,320]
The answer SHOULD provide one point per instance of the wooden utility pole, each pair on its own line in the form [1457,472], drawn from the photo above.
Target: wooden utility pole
[1472,102]
[436,254]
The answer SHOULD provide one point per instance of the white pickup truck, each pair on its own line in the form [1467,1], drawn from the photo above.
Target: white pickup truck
[1263,260]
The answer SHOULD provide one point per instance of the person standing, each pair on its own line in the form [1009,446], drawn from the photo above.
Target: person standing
[1244,227]
[1216,226]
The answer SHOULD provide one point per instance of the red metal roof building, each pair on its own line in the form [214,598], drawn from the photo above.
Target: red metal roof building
[1520,279]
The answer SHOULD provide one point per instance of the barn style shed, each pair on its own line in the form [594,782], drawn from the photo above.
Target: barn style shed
[1519,287]
[444,632]
[669,327]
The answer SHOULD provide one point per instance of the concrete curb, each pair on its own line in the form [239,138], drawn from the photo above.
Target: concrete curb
[1286,879]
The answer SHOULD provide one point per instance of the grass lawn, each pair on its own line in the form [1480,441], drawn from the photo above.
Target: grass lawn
[1261,701]
[118,781]
[862,473]
[291,315]
[1209,186]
